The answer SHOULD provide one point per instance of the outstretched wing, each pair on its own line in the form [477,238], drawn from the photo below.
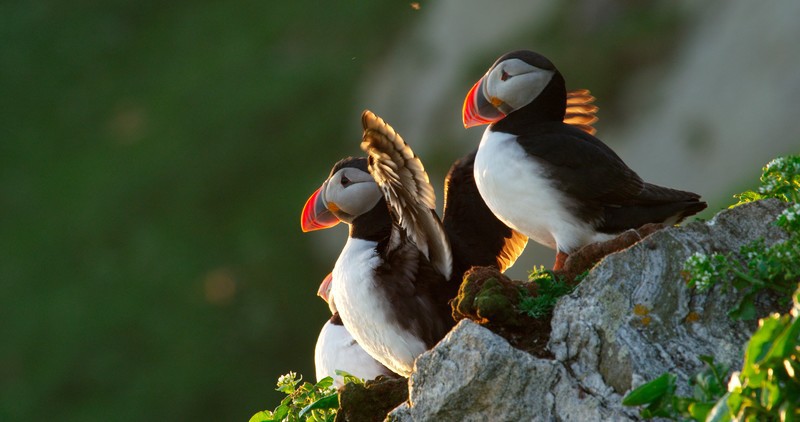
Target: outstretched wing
[580,110]
[401,176]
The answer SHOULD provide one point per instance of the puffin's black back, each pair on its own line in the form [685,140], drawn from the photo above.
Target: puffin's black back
[595,177]
[655,204]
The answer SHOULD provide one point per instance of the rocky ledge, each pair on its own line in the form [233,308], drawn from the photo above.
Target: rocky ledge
[631,319]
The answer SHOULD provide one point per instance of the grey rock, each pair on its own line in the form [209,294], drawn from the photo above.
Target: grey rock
[475,375]
[631,319]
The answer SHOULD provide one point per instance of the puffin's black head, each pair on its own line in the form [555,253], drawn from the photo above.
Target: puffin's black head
[349,192]
[358,163]
[514,81]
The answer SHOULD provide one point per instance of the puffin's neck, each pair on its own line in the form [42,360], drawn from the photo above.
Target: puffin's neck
[549,106]
[375,225]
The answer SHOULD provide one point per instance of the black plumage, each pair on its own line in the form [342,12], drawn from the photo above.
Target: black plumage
[604,189]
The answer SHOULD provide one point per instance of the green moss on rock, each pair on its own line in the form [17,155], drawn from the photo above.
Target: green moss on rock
[491,299]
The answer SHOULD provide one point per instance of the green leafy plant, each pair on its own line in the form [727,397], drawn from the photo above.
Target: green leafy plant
[305,401]
[549,289]
[775,267]
[659,394]
[780,178]
[767,388]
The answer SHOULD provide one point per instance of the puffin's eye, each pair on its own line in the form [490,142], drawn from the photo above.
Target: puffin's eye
[345,181]
[504,76]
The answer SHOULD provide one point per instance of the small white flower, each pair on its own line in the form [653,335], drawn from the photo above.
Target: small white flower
[734,383]
[286,377]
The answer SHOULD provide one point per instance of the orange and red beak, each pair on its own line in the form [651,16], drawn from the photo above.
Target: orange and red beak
[325,287]
[479,110]
[316,215]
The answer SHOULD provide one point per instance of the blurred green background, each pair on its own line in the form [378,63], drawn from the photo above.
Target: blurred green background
[154,158]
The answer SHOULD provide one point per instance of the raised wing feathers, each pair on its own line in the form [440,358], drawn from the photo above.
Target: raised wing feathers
[405,185]
[580,110]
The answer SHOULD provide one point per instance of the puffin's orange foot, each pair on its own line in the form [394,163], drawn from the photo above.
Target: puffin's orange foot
[561,258]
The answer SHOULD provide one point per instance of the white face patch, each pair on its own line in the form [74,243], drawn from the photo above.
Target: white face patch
[515,83]
[353,191]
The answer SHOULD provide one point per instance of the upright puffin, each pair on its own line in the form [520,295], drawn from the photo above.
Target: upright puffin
[391,280]
[551,181]
[477,237]
[336,349]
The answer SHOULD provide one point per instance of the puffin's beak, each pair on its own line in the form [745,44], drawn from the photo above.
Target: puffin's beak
[479,110]
[316,215]
[325,288]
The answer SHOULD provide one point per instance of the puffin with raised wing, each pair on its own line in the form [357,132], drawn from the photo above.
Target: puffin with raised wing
[391,281]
